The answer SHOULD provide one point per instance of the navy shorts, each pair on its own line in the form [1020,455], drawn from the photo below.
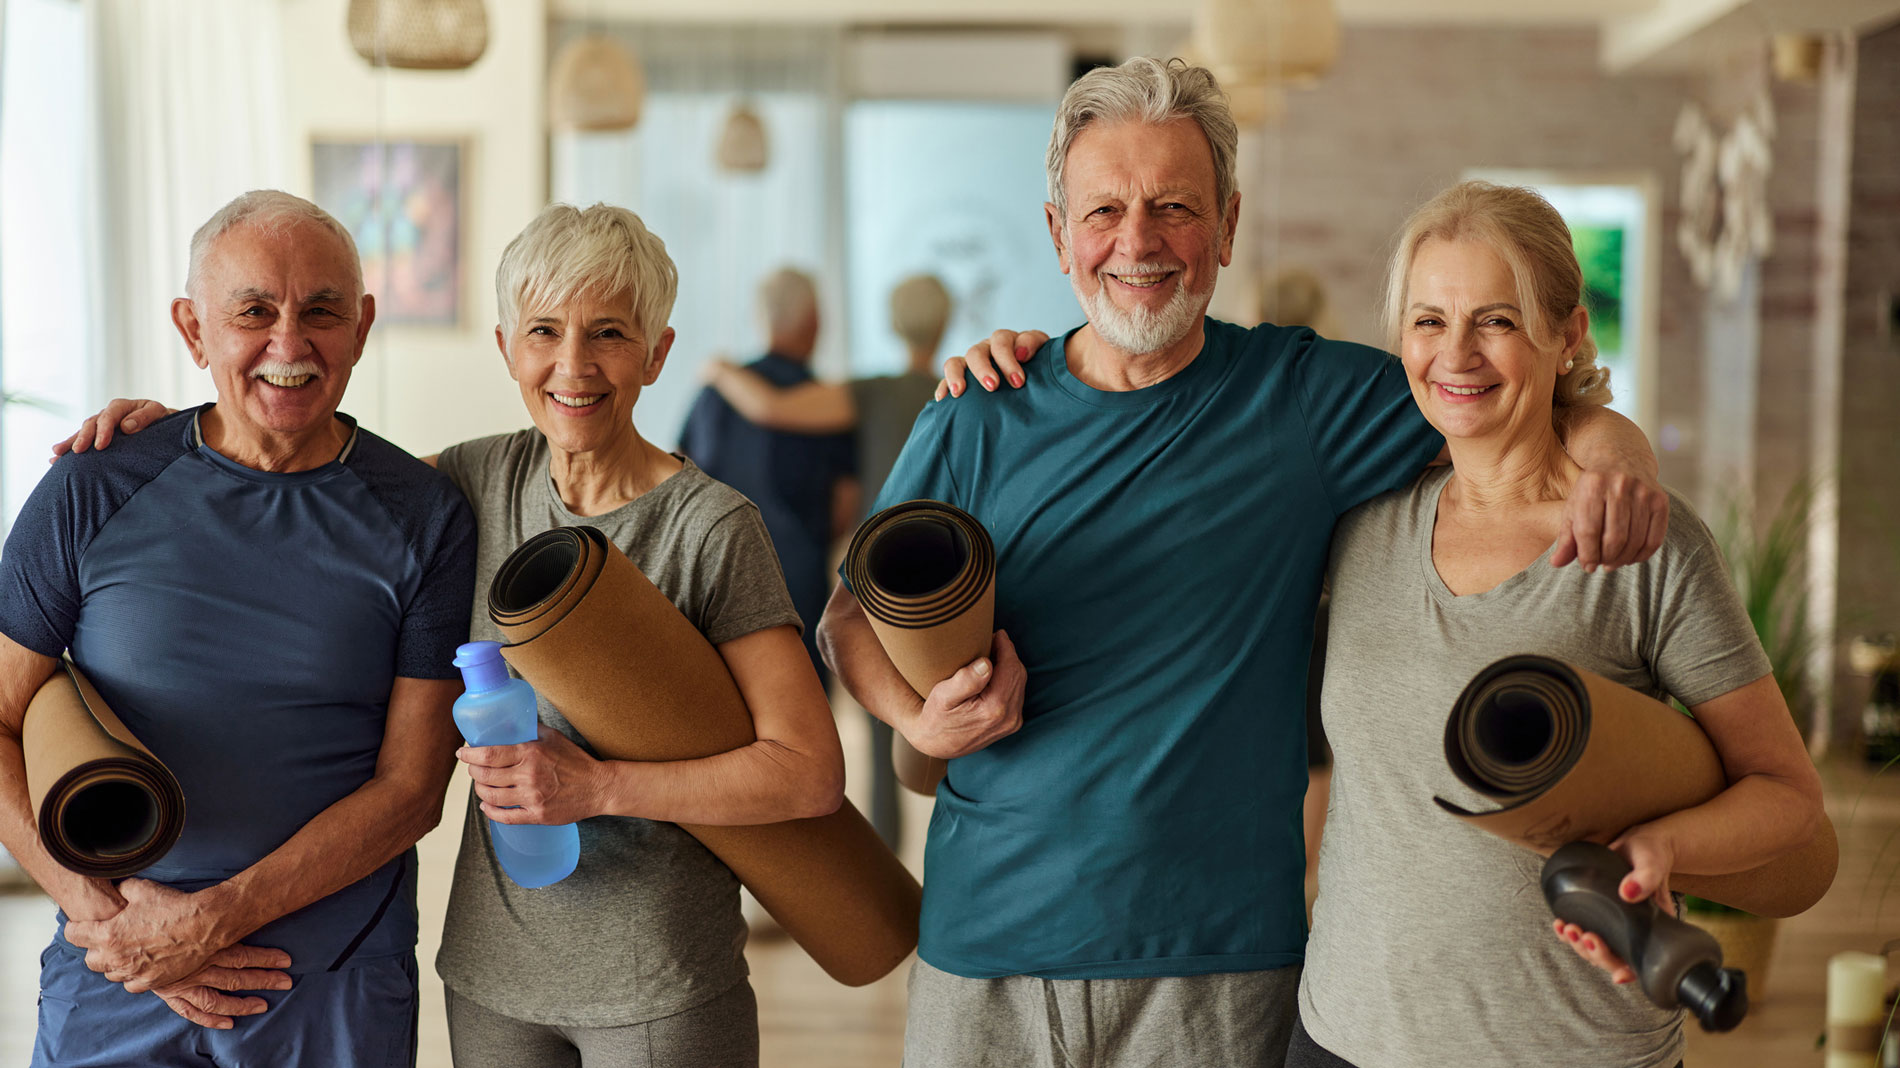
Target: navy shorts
[361,1016]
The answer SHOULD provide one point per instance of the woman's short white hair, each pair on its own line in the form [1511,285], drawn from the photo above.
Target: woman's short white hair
[602,251]
[920,308]
[272,211]
[1533,241]
[1148,90]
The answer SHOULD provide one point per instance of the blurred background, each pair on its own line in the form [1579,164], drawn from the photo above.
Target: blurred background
[1730,169]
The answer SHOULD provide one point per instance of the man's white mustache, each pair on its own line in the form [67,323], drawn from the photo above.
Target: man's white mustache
[279,369]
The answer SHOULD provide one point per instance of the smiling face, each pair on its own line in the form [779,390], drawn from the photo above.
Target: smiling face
[1475,368]
[279,320]
[581,366]
[1144,237]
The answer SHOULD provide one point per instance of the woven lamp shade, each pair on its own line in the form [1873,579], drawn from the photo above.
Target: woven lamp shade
[1263,42]
[596,85]
[419,34]
[742,144]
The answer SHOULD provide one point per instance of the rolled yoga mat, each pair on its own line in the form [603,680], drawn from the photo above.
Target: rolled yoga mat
[639,682]
[104,804]
[925,572]
[1571,755]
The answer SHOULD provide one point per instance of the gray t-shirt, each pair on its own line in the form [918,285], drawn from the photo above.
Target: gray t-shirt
[1431,942]
[887,407]
[648,924]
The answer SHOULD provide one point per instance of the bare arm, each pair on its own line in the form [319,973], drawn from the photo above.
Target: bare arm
[162,934]
[806,408]
[964,713]
[795,770]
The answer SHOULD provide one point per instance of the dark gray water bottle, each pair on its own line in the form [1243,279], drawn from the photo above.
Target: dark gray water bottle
[1678,964]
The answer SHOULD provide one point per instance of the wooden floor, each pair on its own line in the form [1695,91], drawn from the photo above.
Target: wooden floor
[808,1021]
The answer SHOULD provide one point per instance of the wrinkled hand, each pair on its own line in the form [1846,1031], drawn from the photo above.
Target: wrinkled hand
[547,781]
[1651,857]
[160,937]
[202,998]
[121,413]
[1612,518]
[1001,358]
[973,708]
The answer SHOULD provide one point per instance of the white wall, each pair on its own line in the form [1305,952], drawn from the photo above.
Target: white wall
[426,388]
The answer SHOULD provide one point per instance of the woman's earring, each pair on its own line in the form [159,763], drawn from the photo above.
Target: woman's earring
[1568,364]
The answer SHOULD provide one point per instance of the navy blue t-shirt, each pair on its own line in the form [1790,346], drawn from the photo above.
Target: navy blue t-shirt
[1159,553]
[248,627]
[789,476]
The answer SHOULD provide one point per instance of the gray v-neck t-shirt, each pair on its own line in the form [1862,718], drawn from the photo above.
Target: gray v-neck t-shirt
[1431,942]
[648,924]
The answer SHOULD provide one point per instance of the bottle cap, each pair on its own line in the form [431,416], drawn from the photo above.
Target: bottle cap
[482,667]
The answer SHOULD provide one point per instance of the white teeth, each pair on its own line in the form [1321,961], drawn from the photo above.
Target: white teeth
[1465,391]
[287,381]
[576,402]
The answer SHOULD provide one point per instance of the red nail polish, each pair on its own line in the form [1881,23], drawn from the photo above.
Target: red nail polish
[989,383]
[1022,352]
[956,390]
[1016,380]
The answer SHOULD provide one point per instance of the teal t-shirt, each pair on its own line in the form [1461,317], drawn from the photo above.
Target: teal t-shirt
[1159,555]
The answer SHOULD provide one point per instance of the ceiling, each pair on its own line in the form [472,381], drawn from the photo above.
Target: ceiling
[1636,34]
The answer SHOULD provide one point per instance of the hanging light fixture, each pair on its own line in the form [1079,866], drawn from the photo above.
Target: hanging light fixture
[1267,42]
[419,34]
[596,85]
[742,143]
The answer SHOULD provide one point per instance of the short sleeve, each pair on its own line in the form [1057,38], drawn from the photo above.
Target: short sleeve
[39,569]
[1704,644]
[436,619]
[1367,435]
[747,591]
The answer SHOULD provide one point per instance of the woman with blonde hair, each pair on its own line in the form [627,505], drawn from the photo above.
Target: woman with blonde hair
[1431,943]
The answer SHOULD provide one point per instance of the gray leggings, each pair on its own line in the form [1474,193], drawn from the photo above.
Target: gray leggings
[722,1033]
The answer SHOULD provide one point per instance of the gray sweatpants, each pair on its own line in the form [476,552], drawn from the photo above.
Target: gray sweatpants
[1230,1020]
[723,1033]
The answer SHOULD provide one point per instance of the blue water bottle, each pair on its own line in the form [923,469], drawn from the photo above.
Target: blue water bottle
[499,710]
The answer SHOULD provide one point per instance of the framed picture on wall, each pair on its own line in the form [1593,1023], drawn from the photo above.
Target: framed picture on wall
[402,202]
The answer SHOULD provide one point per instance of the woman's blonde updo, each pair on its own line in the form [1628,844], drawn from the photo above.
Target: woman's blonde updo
[1532,240]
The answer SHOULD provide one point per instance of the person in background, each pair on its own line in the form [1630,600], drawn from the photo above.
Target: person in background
[805,486]
[878,412]
[270,597]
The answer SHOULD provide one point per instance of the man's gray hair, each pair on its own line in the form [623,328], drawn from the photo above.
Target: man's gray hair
[786,296]
[603,251]
[1149,90]
[272,211]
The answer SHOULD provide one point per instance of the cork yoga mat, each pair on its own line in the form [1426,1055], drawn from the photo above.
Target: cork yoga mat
[639,682]
[104,804]
[925,572]
[1571,755]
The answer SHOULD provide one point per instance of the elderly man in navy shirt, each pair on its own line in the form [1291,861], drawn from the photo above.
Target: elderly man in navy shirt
[804,485]
[269,597]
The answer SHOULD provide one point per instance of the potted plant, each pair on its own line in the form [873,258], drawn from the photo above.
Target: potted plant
[1768,565]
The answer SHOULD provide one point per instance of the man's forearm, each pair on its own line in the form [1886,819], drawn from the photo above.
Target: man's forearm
[342,844]
[1599,439]
[854,654]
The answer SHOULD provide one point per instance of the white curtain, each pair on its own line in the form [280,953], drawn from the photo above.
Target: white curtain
[190,112]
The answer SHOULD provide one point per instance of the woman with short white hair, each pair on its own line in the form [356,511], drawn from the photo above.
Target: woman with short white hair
[637,957]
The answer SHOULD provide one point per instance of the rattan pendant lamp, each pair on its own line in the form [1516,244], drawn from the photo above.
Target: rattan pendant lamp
[596,85]
[419,34]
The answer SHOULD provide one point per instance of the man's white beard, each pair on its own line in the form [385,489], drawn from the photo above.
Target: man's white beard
[1139,332]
